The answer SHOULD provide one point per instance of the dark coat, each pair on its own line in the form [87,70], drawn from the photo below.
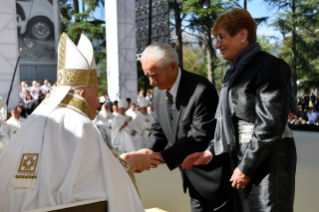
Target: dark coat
[262,96]
[192,130]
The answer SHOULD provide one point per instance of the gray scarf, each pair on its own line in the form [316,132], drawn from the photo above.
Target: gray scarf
[225,138]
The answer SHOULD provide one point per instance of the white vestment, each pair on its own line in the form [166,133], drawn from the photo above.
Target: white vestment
[15,122]
[3,109]
[122,139]
[145,123]
[137,140]
[103,124]
[74,163]
[6,131]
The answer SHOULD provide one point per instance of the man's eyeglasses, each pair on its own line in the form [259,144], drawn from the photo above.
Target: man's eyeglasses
[219,37]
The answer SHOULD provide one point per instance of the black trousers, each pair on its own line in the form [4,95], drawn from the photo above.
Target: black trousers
[200,204]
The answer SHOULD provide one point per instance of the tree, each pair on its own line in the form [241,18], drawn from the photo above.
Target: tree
[75,23]
[294,16]
[194,60]
[200,25]
[179,16]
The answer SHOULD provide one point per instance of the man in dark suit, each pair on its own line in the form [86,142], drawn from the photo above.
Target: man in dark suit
[185,106]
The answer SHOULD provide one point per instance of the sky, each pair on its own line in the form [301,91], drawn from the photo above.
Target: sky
[257,9]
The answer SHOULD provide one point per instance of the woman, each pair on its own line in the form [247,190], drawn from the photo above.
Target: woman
[252,119]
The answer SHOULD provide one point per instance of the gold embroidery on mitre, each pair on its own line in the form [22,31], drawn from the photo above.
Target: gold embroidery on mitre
[29,162]
[70,76]
[75,102]
[62,51]
[77,77]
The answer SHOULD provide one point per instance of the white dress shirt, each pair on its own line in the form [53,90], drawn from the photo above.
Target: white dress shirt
[174,88]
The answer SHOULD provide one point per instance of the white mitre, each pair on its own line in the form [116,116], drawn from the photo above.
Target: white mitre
[143,102]
[123,103]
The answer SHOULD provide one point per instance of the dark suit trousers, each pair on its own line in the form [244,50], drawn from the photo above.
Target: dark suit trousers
[200,204]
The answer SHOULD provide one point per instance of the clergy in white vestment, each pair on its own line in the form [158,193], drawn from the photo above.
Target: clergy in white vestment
[146,119]
[103,121]
[58,156]
[122,129]
[6,132]
[150,109]
[15,119]
[115,110]
[137,130]
[3,109]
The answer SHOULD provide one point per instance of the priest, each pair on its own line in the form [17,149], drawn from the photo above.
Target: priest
[6,132]
[3,109]
[15,119]
[145,119]
[58,156]
[122,129]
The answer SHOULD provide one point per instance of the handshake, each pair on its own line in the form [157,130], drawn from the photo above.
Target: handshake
[142,160]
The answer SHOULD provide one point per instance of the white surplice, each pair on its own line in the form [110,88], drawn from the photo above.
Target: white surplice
[122,139]
[6,131]
[137,139]
[145,123]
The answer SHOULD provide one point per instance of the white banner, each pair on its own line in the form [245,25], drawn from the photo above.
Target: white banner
[121,49]
[8,52]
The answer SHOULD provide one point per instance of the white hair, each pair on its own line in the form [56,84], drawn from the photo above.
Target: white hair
[78,90]
[163,53]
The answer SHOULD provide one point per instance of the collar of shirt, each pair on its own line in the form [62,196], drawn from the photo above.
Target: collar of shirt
[174,88]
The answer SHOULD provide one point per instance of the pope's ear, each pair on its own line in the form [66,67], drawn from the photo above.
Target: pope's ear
[82,93]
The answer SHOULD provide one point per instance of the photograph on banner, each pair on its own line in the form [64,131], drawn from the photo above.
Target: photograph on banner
[35,22]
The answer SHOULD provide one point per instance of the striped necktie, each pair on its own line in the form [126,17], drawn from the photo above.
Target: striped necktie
[170,104]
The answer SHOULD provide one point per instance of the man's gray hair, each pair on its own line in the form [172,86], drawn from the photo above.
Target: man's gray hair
[163,53]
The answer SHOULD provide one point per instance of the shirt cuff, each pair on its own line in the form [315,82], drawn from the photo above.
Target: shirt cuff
[211,156]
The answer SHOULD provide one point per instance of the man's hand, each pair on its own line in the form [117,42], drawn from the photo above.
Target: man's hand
[239,179]
[197,158]
[133,133]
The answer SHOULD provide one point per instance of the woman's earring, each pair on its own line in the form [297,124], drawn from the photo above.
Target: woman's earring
[242,41]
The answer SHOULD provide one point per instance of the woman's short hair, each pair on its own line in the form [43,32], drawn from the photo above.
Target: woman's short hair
[163,53]
[234,20]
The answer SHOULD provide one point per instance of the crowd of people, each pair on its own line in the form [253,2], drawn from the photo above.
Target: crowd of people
[124,124]
[308,113]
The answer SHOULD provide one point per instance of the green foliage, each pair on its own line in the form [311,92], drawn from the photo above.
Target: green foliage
[265,44]
[306,22]
[75,24]
[194,60]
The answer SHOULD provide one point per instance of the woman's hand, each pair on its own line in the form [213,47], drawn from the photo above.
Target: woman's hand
[197,158]
[239,179]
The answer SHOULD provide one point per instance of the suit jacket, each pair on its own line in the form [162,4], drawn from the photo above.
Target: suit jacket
[191,131]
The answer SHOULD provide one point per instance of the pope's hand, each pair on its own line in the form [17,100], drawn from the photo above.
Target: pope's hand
[197,158]
[144,160]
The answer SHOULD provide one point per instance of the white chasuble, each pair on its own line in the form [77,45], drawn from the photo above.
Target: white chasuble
[74,163]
